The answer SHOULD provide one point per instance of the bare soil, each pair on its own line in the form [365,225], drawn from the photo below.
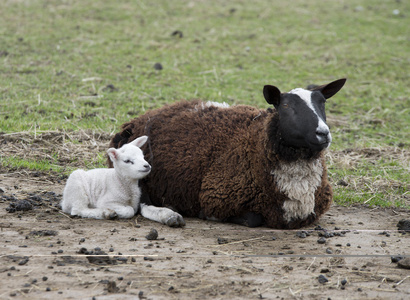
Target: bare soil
[46,254]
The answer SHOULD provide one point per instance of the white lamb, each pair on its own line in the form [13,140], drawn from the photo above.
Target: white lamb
[110,193]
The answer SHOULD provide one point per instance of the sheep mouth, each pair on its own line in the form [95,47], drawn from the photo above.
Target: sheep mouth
[319,146]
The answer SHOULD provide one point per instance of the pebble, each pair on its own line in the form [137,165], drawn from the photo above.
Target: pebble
[152,235]
[158,66]
[321,240]
[301,234]
[404,263]
[222,240]
[322,279]
[395,259]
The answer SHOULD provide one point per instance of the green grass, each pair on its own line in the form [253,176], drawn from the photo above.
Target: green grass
[58,60]
[14,162]
[377,182]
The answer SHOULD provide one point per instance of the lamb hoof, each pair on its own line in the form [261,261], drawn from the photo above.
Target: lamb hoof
[175,221]
[110,215]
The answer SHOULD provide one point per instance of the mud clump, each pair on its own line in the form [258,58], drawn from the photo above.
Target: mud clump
[20,205]
[33,200]
[97,256]
[404,225]
[38,233]
[112,287]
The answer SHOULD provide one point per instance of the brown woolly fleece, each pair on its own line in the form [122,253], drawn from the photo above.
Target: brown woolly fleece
[219,162]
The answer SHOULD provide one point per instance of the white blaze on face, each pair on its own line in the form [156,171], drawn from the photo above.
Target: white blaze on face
[306,96]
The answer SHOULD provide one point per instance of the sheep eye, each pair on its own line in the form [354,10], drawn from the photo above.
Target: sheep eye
[285,105]
[128,161]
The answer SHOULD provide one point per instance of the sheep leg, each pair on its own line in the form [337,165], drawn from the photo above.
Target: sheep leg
[94,213]
[162,215]
[76,202]
[124,212]
[249,219]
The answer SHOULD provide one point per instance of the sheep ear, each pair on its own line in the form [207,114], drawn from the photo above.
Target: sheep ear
[113,154]
[272,94]
[139,142]
[330,89]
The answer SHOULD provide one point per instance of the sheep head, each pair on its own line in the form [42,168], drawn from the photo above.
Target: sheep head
[302,117]
[129,160]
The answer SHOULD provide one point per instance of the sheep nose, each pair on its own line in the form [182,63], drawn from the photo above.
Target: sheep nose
[323,136]
[147,167]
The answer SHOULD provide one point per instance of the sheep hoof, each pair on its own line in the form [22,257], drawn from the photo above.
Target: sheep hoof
[110,214]
[175,220]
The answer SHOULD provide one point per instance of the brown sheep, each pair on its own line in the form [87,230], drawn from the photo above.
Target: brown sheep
[240,164]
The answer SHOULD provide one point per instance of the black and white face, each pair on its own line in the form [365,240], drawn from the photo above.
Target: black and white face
[303,120]
[302,117]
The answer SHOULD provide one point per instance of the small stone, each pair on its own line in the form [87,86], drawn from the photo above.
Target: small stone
[222,241]
[322,279]
[158,67]
[342,183]
[23,262]
[395,259]
[321,240]
[152,235]
[301,234]
[404,263]
[177,33]
[343,282]
[329,251]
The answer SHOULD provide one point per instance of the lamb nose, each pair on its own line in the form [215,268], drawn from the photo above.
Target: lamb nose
[147,167]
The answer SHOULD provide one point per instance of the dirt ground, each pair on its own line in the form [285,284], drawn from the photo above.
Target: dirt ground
[349,254]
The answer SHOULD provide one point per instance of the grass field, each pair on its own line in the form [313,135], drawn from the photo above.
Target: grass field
[89,65]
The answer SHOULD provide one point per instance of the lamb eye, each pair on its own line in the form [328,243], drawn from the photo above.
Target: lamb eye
[128,161]
[285,105]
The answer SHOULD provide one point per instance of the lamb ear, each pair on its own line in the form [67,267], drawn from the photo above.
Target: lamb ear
[330,89]
[113,154]
[139,142]
[272,95]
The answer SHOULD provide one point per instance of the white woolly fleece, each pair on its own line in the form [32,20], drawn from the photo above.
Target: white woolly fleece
[299,181]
